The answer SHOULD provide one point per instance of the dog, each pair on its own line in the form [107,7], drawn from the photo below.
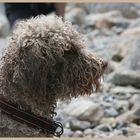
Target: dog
[44,61]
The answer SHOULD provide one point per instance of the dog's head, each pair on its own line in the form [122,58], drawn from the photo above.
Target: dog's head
[46,60]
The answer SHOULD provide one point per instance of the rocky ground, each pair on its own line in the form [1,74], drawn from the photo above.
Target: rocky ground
[113,32]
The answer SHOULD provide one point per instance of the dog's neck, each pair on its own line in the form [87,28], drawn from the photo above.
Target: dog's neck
[13,111]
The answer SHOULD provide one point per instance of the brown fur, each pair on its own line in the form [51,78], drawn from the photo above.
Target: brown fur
[46,61]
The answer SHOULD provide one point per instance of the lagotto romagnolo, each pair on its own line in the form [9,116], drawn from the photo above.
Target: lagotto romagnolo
[45,61]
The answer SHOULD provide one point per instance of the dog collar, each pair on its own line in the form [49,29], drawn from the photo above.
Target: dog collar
[13,111]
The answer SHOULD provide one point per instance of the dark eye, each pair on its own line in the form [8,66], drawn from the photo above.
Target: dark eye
[104,64]
[70,54]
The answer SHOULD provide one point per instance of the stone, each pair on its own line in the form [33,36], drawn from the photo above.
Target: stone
[102,46]
[117,132]
[108,98]
[131,61]
[67,133]
[85,110]
[103,127]
[135,101]
[106,86]
[119,125]
[4,26]
[78,125]
[107,120]
[136,135]
[111,112]
[2,9]
[89,132]
[135,23]
[105,20]
[128,72]
[78,134]
[124,77]
[3,45]
[111,46]
[121,105]
[76,16]
[120,44]
[135,31]
[130,116]
[112,66]
[124,93]
[132,9]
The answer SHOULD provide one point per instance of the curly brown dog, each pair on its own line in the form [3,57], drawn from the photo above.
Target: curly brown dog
[45,61]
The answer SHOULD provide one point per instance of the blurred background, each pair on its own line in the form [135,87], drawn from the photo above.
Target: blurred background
[111,30]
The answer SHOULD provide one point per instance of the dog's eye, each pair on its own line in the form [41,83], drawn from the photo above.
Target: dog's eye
[70,54]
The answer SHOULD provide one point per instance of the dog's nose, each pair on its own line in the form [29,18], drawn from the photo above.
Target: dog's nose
[104,65]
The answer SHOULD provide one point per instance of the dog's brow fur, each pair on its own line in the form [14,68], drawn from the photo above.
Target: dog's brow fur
[46,61]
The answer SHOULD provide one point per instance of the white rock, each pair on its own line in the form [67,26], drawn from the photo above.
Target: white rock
[4,25]
[3,45]
[67,133]
[104,19]
[76,16]
[130,116]
[89,132]
[135,101]
[124,92]
[132,9]
[85,110]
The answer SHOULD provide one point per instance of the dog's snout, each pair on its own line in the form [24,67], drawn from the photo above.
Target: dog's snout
[104,65]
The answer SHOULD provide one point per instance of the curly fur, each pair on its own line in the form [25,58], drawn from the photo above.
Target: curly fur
[46,61]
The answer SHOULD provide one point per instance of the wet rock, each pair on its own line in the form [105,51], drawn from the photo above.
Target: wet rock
[85,110]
